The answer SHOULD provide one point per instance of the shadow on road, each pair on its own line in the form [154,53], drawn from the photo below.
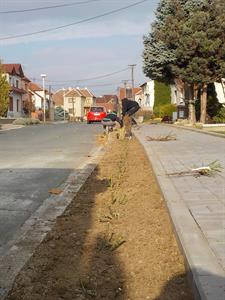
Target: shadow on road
[210,286]
[72,262]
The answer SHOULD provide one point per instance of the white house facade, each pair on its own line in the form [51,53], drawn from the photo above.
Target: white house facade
[74,104]
[148,95]
[220,91]
[14,75]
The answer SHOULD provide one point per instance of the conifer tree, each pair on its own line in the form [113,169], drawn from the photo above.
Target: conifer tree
[187,44]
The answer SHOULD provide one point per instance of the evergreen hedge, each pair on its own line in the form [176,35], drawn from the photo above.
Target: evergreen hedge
[162,96]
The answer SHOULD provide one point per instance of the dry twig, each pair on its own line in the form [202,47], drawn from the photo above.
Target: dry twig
[209,170]
[162,138]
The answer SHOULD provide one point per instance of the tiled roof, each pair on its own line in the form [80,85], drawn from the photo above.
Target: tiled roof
[73,93]
[139,92]
[34,87]
[26,79]
[106,99]
[122,93]
[86,93]
[58,97]
[13,69]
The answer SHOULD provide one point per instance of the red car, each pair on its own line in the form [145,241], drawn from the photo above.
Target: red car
[96,114]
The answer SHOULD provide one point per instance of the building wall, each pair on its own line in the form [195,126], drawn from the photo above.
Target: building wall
[176,96]
[78,106]
[220,90]
[16,112]
[148,98]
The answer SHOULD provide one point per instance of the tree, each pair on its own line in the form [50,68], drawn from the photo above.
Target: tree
[187,45]
[201,51]
[4,93]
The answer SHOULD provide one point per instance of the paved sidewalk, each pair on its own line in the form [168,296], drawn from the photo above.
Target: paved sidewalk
[196,205]
[5,127]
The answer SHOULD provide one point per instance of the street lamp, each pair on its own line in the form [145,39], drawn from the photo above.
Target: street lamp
[64,112]
[43,76]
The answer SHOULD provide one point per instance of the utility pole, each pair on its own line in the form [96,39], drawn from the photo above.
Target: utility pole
[125,86]
[43,76]
[132,78]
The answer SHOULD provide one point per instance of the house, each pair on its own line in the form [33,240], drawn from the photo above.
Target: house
[27,102]
[148,95]
[127,92]
[74,104]
[89,99]
[220,90]
[110,102]
[18,83]
[58,97]
[38,96]
[84,100]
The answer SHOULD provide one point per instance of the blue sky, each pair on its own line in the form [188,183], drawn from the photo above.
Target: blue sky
[94,48]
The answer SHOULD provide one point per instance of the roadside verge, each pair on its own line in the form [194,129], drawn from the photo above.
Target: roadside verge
[41,222]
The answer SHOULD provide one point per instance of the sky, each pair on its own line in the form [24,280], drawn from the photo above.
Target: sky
[71,55]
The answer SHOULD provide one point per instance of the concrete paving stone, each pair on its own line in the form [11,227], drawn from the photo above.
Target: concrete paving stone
[196,205]
[213,286]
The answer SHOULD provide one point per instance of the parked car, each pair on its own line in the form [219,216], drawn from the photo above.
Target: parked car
[59,114]
[96,114]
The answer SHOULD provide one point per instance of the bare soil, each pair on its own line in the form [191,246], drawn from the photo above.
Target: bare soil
[115,240]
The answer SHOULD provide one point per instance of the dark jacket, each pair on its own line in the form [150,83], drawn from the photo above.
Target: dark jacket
[127,105]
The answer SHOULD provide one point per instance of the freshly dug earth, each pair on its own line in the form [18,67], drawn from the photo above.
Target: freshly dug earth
[114,241]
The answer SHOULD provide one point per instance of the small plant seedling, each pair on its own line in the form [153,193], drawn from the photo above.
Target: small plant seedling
[111,242]
[87,291]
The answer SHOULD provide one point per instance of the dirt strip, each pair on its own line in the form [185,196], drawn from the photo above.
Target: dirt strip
[114,241]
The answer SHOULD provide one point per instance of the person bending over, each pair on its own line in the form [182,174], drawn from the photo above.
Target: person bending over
[129,108]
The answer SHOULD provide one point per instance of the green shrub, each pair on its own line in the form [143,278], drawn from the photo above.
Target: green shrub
[165,110]
[162,96]
[220,117]
[146,114]
[26,121]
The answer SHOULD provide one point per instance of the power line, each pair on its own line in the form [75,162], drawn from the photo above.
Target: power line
[46,7]
[74,23]
[95,85]
[87,79]
[93,78]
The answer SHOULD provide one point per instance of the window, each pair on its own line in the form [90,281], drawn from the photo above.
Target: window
[17,83]
[10,104]
[17,105]
[97,109]
[70,111]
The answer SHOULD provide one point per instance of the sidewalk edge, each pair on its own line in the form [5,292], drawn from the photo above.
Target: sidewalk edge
[190,238]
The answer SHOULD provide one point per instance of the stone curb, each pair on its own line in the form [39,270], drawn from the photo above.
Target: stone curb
[207,275]
[11,128]
[195,130]
[41,222]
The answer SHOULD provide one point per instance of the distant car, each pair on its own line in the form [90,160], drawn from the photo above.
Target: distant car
[96,114]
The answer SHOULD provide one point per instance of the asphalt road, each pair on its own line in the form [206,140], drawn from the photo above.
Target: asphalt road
[32,161]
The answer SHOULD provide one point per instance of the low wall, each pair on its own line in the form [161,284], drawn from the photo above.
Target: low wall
[6,121]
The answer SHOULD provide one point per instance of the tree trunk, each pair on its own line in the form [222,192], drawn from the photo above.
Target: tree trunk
[192,112]
[203,103]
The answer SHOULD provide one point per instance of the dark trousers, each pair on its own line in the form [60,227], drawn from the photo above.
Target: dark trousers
[132,110]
